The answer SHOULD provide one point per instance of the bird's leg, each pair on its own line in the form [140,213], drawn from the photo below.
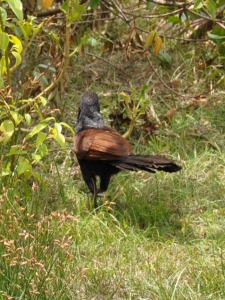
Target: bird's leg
[90,180]
[104,183]
[94,192]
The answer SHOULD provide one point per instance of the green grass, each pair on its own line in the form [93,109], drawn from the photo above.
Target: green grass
[154,237]
[158,237]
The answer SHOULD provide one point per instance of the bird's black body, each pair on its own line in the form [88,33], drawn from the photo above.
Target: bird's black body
[92,168]
[103,152]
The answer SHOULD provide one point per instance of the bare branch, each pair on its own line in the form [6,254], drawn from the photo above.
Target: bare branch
[172,3]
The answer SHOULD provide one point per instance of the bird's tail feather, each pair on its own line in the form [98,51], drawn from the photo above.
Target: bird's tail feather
[148,163]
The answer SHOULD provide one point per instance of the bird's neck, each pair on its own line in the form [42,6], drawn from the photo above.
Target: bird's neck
[84,122]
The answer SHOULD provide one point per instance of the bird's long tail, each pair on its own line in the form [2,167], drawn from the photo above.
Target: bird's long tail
[148,163]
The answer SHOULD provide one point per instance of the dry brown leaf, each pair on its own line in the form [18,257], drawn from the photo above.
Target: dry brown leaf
[47,3]
[169,114]
[199,102]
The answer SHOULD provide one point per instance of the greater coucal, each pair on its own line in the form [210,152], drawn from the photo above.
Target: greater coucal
[102,151]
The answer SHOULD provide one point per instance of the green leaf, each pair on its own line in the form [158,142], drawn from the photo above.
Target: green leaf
[219,39]
[144,89]
[1,79]
[126,98]
[6,131]
[4,42]
[58,127]
[212,7]
[44,81]
[3,65]
[214,74]
[150,6]
[40,138]
[17,7]
[174,19]
[26,29]
[3,68]
[37,29]
[198,4]
[68,127]
[17,61]
[42,150]
[16,116]
[5,173]
[165,57]
[73,10]
[44,66]
[54,37]
[60,139]
[29,100]
[58,136]
[65,7]
[28,119]
[92,42]
[36,157]
[94,3]
[43,100]
[23,166]
[3,13]
[16,151]
[36,130]
[49,119]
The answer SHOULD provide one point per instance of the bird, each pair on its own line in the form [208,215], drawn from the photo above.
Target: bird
[102,152]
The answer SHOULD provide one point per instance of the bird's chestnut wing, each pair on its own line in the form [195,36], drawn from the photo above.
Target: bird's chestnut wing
[101,144]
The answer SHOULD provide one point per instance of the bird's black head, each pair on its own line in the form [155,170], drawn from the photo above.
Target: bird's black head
[89,113]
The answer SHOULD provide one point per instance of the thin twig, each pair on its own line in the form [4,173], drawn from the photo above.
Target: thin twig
[172,3]
[108,62]
[116,5]
[165,84]
[174,92]
[220,24]
[203,16]
[149,16]
[107,5]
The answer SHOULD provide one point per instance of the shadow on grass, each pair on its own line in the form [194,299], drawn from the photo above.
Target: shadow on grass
[157,209]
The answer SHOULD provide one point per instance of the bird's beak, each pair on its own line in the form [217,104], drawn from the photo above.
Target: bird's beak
[78,113]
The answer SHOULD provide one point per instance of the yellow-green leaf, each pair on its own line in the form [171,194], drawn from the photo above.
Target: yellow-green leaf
[28,119]
[17,45]
[68,127]
[4,42]
[61,140]
[73,10]
[37,29]
[18,60]
[150,38]
[6,131]
[36,130]
[16,116]
[43,101]
[58,127]
[3,13]
[3,68]
[23,166]
[17,7]
[40,138]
